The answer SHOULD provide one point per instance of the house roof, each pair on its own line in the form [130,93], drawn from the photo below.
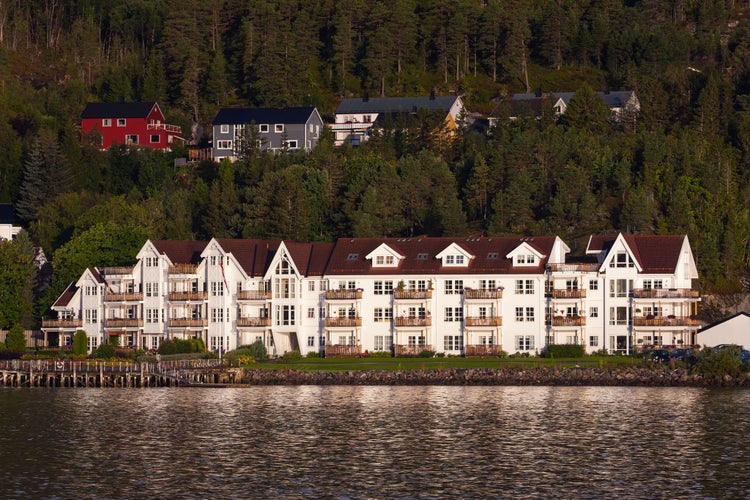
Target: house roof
[655,253]
[725,320]
[181,251]
[395,104]
[64,299]
[613,99]
[419,253]
[7,215]
[263,115]
[118,109]
[253,255]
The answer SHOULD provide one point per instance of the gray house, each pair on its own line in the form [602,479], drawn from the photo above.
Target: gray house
[275,129]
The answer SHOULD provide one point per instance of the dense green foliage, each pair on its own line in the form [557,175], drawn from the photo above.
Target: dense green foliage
[80,343]
[16,281]
[104,351]
[15,340]
[719,362]
[563,351]
[681,167]
[180,346]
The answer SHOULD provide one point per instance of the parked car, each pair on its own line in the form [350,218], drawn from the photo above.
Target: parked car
[684,354]
[657,356]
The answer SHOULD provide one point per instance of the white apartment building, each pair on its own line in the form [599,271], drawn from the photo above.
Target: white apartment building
[460,296]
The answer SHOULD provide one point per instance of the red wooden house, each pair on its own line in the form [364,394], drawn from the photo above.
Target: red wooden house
[134,123]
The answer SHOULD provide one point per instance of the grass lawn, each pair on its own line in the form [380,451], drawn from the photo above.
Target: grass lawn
[357,364]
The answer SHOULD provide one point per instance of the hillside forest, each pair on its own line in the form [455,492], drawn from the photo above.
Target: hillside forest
[682,167]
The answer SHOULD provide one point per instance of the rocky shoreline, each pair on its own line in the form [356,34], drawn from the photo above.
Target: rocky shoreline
[643,377]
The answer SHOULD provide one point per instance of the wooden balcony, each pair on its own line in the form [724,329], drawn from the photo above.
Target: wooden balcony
[254,322]
[412,294]
[123,322]
[262,295]
[187,322]
[190,269]
[403,321]
[484,321]
[187,296]
[62,323]
[123,297]
[665,321]
[343,294]
[482,351]
[343,322]
[116,271]
[560,293]
[574,268]
[666,293]
[470,294]
[568,321]
[343,351]
[411,350]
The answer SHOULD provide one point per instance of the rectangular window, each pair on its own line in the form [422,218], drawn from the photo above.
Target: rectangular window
[524,342]
[154,138]
[278,128]
[531,259]
[529,314]
[121,122]
[224,144]
[593,341]
[618,315]
[594,312]
[106,122]
[217,288]
[449,259]
[519,313]
[529,290]
[291,144]
[593,284]
[449,314]
[658,284]
[453,342]
[311,313]
[224,129]
[263,128]
[285,315]
[131,139]
[378,288]
[448,287]
[311,341]
[519,287]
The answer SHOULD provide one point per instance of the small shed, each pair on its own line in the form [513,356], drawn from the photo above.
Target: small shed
[732,330]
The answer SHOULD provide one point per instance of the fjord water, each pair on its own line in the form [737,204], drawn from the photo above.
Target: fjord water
[375,442]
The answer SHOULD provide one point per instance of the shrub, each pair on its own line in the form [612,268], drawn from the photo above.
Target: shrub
[563,351]
[379,354]
[80,343]
[719,362]
[291,356]
[426,354]
[502,354]
[258,351]
[314,354]
[16,339]
[104,351]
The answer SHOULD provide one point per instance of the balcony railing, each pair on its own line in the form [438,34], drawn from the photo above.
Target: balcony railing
[254,295]
[187,322]
[358,126]
[482,350]
[343,294]
[579,293]
[123,297]
[181,296]
[254,322]
[343,322]
[183,269]
[62,323]
[411,350]
[484,321]
[665,293]
[116,270]
[123,322]
[412,294]
[568,321]
[574,268]
[471,294]
[342,351]
[174,129]
[665,321]
[402,321]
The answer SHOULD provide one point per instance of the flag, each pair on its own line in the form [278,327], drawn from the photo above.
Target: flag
[221,265]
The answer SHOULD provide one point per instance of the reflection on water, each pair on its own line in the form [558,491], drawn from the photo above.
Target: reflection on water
[375,442]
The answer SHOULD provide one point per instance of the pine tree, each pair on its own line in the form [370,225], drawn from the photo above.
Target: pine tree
[45,176]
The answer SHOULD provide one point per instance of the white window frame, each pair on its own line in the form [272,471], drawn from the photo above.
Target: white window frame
[278,128]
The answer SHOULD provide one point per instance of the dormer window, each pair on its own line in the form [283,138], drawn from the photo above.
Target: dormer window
[384,260]
[622,259]
[525,259]
[492,256]
[421,256]
[352,256]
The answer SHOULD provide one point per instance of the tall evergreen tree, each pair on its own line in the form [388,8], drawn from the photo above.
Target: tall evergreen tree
[45,176]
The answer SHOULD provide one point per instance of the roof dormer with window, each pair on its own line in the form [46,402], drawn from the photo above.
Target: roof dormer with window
[384,256]
[454,256]
[525,255]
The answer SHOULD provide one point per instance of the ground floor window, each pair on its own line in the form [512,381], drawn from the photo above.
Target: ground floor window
[593,341]
[311,341]
[524,342]
[93,343]
[416,340]
[453,342]
[382,343]
[486,340]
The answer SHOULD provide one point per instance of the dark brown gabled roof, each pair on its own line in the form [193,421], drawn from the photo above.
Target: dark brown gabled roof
[310,258]
[181,251]
[97,275]
[657,254]
[349,255]
[253,255]
[64,299]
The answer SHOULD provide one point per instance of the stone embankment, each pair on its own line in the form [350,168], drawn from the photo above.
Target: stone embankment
[643,377]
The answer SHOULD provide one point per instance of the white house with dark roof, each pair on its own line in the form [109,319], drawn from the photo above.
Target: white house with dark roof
[460,296]
[621,103]
[355,118]
[273,129]
[732,330]
[10,225]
